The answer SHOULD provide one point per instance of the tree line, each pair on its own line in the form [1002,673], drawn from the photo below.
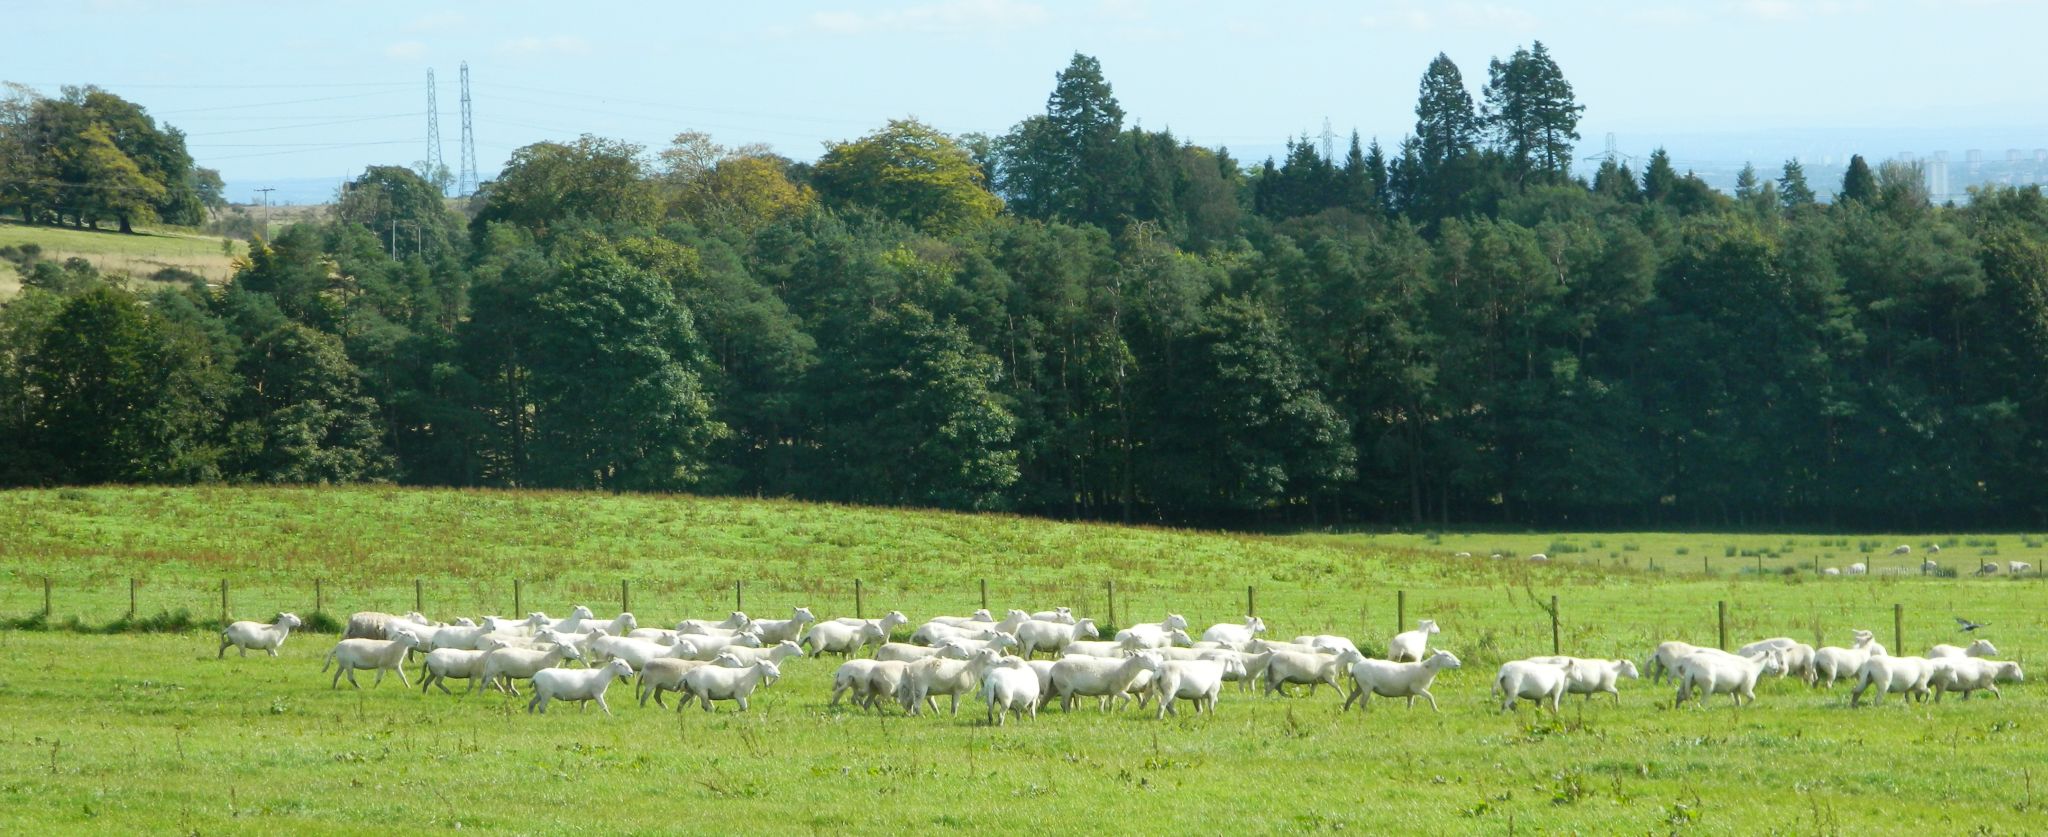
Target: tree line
[89,156]
[1084,318]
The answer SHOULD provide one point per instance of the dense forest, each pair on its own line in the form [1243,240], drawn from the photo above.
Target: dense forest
[1084,318]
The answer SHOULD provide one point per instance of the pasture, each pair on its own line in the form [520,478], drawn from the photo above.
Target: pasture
[141,731]
[136,257]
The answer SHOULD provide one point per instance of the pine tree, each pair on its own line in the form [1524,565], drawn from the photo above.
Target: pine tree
[1660,179]
[1376,172]
[1446,126]
[1793,192]
[1859,184]
[1530,113]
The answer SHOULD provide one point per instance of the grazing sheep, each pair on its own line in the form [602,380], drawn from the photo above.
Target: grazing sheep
[246,635]
[1592,676]
[580,686]
[520,663]
[1858,568]
[1196,681]
[1394,680]
[1284,667]
[1536,682]
[780,651]
[705,648]
[1074,677]
[666,675]
[1462,555]
[1934,548]
[1151,630]
[1928,566]
[1908,675]
[981,619]
[1712,671]
[1979,648]
[941,676]
[2018,567]
[380,654]
[1903,549]
[1967,675]
[1410,646]
[1009,687]
[841,638]
[442,664]
[1540,558]
[1832,663]
[715,683]
[1236,636]
[1062,615]
[1035,635]
[1830,571]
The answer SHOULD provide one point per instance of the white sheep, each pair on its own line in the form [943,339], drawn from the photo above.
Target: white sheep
[933,633]
[636,652]
[1038,635]
[1009,687]
[1858,568]
[1908,675]
[1712,671]
[461,638]
[580,686]
[442,664]
[852,676]
[934,676]
[843,639]
[1830,571]
[714,683]
[1236,636]
[981,619]
[1410,646]
[1261,646]
[1832,662]
[1536,682]
[1172,622]
[1664,660]
[1395,680]
[1328,643]
[1903,549]
[1592,676]
[1978,648]
[1987,568]
[778,652]
[1967,675]
[883,678]
[509,664]
[370,624]
[1148,641]
[380,654]
[1059,614]
[1285,667]
[666,675]
[1540,558]
[1197,681]
[736,621]
[705,647]
[520,627]
[1099,648]
[1462,555]
[1798,655]
[2018,567]
[1074,677]
[245,635]
[903,652]
[1928,566]
[997,641]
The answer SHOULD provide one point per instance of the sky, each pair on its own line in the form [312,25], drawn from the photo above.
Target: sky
[298,96]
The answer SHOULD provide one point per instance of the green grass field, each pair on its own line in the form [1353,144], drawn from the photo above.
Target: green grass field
[147,732]
[136,256]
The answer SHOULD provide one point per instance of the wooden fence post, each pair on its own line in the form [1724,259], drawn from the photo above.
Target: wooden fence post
[857,600]
[518,609]
[1251,600]
[1400,611]
[1555,644]
[46,595]
[319,597]
[419,596]
[131,597]
[1110,586]
[1704,568]
[223,600]
[1899,627]
[738,596]
[625,596]
[1721,610]
[1759,563]
[984,594]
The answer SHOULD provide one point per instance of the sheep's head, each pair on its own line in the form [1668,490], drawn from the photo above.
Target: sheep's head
[747,640]
[580,612]
[1428,626]
[685,649]
[1179,637]
[405,638]
[625,622]
[619,668]
[787,648]
[1174,620]
[1627,669]
[1131,642]
[987,657]
[770,672]
[598,632]
[1774,662]
[1982,648]
[1444,659]
[982,615]
[738,619]
[537,619]
[2010,672]
[463,622]
[802,614]
[1018,614]
[1255,625]
[728,659]
[892,619]
[1086,627]
[954,651]
[291,620]
[1349,656]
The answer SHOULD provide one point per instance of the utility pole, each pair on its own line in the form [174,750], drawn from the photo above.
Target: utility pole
[466,183]
[266,208]
[434,164]
[1329,142]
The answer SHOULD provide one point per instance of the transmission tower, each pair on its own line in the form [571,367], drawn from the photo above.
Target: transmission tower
[434,164]
[467,183]
[1329,141]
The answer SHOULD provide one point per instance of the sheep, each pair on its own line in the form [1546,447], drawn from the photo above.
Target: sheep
[370,624]
[1103,649]
[704,648]
[1388,679]
[1833,662]
[780,651]
[1928,566]
[1092,677]
[852,676]
[575,622]
[522,627]
[1892,674]
[1328,643]
[1987,568]
[933,633]
[1934,548]
[736,621]
[1036,635]
[1537,682]
[903,652]
[1858,568]
[1061,615]
[1540,558]
[1830,571]
[1248,669]
[1009,687]
[581,641]
[580,686]
[1592,676]
[1664,660]
[997,640]
[714,683]
[941,676]
[1798,655]
[1715,672]
[245,635]
[1172,622]
[1979,648]
[460,638]
[1197,681]
[981,618]
[520,663]
[1235,635]
[1967,675]
[882,679]
[380,654]
[441,664]
[636,652]
[1284,667]
[620,625]
[666,675]
[841,638]
[1147,640]
[1903,549]
[1409,646]
[1462,555]
[2018,567]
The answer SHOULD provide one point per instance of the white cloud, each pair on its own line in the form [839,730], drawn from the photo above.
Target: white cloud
[436,21]
[533,45]
[406,51]
[945,16]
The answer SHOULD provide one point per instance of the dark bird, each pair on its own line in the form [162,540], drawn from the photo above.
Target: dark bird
[1967,625]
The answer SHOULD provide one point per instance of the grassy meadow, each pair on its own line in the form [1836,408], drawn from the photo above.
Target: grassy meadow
[147,731]
[136,256]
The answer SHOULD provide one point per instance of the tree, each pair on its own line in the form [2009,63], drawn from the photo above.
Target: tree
[911,172]
[304,416]
[1530,113]
[1859,183]
[1446,126]
[547,183]
[1792,189]
[1066,163]
[404,210]
[1660,180]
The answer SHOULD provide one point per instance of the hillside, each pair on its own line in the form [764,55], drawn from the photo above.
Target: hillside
[135,256]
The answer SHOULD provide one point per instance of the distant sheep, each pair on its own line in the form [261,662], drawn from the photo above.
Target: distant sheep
[1978,648]
[379,654]
[1906,675]
[1234,634]
[1410,646]
[2018,567]
[1858,568]
[1537,682]
[246,635]
[1394,680]
[580,686]
[1967,675]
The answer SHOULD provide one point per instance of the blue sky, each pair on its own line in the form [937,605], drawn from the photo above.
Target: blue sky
[289,92]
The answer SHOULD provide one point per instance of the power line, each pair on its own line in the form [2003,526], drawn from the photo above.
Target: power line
[434,165]
[274,104]
[408,115]
[467,183]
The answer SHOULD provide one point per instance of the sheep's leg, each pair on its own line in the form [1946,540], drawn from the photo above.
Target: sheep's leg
[1432,701]
[400,671]
[443,683]
[1350,699]
[273,651]
[337,679]
[956,705]
[352,679]
[380,679]
[223,650]
[601,705]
